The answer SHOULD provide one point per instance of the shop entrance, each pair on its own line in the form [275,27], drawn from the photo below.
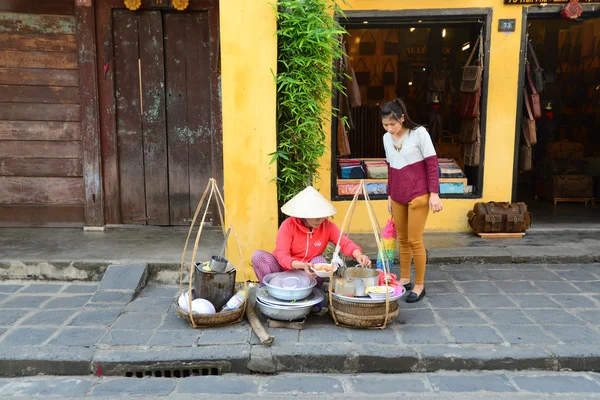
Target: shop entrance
[559,176]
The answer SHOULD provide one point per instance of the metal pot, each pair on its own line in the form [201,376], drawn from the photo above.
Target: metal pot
[283,313]
[367,276]
[288,293]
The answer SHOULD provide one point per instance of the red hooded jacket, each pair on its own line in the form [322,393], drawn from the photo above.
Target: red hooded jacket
[297,242]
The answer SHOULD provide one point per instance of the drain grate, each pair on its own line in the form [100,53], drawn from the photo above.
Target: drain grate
[173,373]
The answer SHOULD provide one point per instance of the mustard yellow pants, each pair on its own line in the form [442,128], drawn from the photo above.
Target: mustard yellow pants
[410,222]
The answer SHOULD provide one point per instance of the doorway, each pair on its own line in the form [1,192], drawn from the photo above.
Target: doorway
[165,125]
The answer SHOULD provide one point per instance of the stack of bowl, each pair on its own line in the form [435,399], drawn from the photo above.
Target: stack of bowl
[288,296]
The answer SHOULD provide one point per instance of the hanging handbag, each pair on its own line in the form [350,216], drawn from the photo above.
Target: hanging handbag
[390,47]
[591,75]
[472,153]
[388,76]
[528,126]
[446,147]
[469,130]
[375,90]
[436,81]
[362,77]
[539,80]
[367,48]
[352,89]
[471,76]
[534,97]
[469,104]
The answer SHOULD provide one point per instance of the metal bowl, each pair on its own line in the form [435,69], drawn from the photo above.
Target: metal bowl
[283,313]
[288,293]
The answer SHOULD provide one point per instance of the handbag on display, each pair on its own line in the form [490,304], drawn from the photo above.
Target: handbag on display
[534,97]
[472,153]
[436,81]
[528,127]
[471,75]
[388,77]
[469,130]
[364,75]
[390,47]
[469,104]
[352,89]
[375,90]
[539,79]
[526,155]
[367,48]
[446,147]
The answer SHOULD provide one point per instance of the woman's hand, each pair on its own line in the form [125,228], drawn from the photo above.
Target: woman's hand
[390,205]
[307,267]
[362,260]
[435,204]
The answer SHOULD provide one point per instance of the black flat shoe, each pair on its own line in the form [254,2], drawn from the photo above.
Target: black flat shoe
[408,287]
[413,298]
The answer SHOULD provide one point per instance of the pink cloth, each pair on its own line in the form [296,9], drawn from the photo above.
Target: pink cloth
[389,230]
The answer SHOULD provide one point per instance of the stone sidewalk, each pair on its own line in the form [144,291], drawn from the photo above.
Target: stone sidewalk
[442,385]
[475,317]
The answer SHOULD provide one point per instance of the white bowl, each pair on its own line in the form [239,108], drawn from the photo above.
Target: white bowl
[381,296]
[324,274]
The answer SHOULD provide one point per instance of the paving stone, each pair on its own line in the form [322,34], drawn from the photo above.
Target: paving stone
[468,275]
[56,386]
[138,320]
[461,317]
[78,337]
[123,277]
[420,317]
[478,287]
[534,301]
[224,335]
[49,317]
[27,336]
[432,275]
[574,334]
[591,316]
[324,335]
[112,297]
[386,336]
[281,336]
[169,291]
[487,267]
[577,357]
[477,383]
[577,275]
[557,287]
[48,360]
[422,334]
[116,337]
[525,334]
[574,301]
[382,358]
[589,287]
[303,384]
[517,287]
[474,334]
[122,387]
[219,385]
[507,317]
[96,317]
[68,302]
[491,301]
[81,288]
[541,276]
[175,338]
[389,384]
[9,288]
[8,317]
[42,288]
[25,301]
[504,275]
[449,301]
[150,304]
[173,322]
[441,288]
[553,317]
[556,384]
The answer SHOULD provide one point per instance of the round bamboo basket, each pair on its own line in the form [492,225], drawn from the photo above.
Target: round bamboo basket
[365,321]
[212,320]
[360,309]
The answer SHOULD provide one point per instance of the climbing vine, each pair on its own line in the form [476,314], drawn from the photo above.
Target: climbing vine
[308,38]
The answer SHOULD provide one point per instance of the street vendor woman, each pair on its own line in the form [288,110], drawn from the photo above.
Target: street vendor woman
[303,237]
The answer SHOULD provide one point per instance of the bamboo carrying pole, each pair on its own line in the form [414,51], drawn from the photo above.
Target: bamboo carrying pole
[257,326]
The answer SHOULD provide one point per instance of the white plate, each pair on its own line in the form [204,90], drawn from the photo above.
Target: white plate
[324,274]
[290,279]
[368,299]
[314,298]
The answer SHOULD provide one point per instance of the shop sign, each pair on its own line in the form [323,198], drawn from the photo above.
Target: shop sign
[527,2]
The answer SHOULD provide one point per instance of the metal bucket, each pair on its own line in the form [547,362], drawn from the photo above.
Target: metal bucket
[217,288]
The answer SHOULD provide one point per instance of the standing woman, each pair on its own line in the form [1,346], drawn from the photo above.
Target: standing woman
[413,188]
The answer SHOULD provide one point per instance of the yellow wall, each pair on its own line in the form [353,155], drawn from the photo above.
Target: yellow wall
[499,130]
[248,55]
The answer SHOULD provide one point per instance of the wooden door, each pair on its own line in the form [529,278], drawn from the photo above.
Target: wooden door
[164,117]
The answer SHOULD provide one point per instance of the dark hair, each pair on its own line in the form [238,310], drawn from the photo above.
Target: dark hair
[396,109]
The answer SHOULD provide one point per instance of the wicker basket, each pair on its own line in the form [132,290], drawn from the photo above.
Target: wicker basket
[365,321]
[212,320]
[359,309]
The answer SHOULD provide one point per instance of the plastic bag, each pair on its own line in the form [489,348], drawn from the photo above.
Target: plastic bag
[389,236]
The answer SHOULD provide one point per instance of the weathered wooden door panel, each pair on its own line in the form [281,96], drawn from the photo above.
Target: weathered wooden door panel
[189,112]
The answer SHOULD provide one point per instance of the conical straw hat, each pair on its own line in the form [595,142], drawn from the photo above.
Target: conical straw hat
[309,203]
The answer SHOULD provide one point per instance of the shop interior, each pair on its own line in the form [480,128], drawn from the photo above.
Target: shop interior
[422,63]
[559,176]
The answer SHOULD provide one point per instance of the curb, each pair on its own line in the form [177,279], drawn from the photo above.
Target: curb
[318,358]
